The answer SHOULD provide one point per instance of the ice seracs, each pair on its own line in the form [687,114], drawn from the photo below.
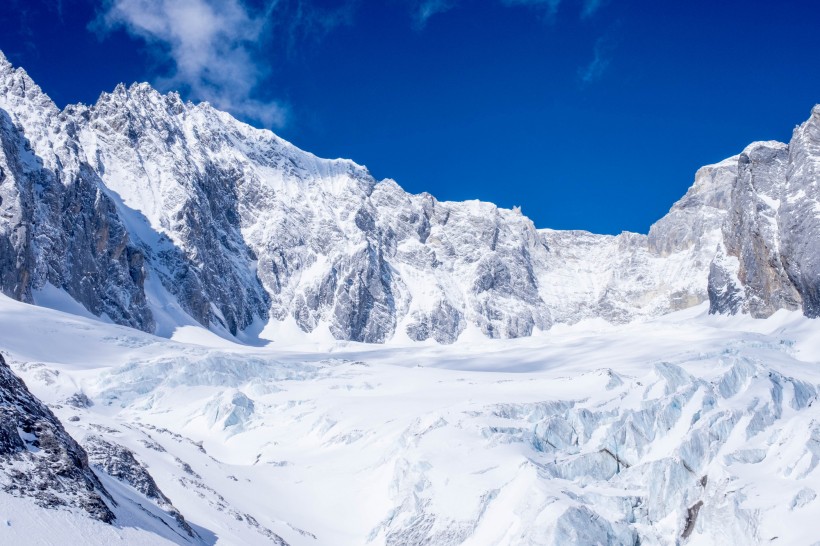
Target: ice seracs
[689,429]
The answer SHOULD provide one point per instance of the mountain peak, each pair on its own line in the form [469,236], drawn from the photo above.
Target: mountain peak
[135,91]
[238,227]
[23,99]
[144,88]
[771,144]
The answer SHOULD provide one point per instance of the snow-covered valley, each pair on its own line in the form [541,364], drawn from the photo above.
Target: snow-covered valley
[689,429]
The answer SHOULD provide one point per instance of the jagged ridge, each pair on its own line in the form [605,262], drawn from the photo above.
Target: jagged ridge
[154,211]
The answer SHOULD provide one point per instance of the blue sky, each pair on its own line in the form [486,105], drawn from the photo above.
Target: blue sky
[589,114]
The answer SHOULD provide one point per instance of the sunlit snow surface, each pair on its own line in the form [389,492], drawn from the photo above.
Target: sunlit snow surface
[591,434]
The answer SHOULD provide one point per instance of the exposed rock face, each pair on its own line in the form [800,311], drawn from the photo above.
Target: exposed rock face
[751,235]
[120,463]
[800,214]
[769,258]
[16,259]
[40,459]
[695,219]
[57,225]
[186,199]
[145,208]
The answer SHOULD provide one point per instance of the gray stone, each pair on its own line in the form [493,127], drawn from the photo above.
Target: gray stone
[41,461]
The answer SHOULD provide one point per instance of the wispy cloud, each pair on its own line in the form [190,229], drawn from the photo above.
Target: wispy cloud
[213,46]
[590,7]
[424,9]
[549,6]
[302,21]
[600,62]
[18,15]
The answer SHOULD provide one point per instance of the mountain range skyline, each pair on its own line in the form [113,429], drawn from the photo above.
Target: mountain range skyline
[464,100]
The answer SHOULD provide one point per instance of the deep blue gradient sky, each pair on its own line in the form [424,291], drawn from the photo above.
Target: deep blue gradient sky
[593,116]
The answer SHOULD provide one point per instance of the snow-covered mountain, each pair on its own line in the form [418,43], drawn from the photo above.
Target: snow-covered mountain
[631,410]
[158,213]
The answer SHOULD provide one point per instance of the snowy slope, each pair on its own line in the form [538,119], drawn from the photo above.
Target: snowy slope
[45,472]
[586,434]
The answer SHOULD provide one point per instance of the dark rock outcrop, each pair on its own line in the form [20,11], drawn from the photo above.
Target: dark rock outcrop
[41,461]
[120,463]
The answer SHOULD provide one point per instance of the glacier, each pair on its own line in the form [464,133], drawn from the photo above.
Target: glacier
[689,428]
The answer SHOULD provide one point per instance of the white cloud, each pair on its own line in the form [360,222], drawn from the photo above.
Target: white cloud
[214,46]
[550,6]
[599,63]
[590,7]
[427,8]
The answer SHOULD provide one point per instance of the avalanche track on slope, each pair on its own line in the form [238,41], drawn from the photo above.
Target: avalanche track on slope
[687,429]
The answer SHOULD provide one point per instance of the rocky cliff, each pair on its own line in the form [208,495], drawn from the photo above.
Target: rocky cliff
[40,460]
[769,258]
